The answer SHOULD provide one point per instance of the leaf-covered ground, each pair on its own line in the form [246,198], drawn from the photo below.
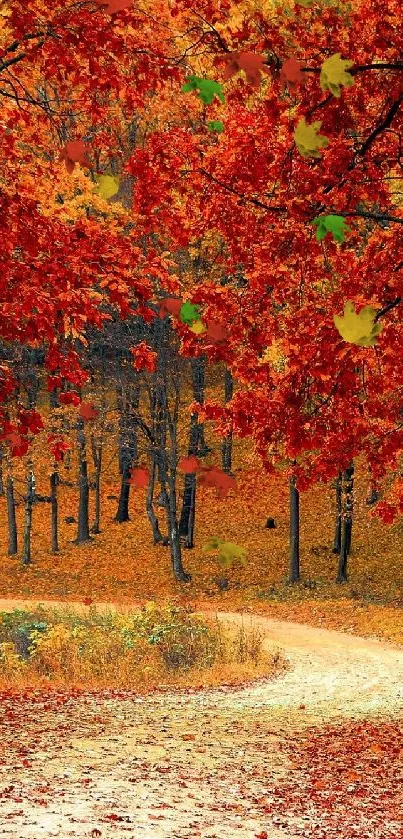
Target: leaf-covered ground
[310,754]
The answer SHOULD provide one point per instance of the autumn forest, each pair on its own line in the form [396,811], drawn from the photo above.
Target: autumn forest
[201,419]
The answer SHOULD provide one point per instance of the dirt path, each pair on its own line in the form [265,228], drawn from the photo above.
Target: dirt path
[182,766]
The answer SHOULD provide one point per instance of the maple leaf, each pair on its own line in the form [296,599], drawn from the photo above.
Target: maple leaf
[251,63]
[107,185]
[87,601]
[214,477]
[114,6]
[333,74]
[291,73]
[198,327]
[359,329]
[170,306]
[87,411]
[228,552]
[216,125]
[75,151]
[307,140]
[216,332]
[207,88]
[189,313]
[139,476]
[189,464]
[331,224]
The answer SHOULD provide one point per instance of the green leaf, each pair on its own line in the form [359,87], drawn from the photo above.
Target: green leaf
[216,125]
[229,553]
[306,3]
[189,313]
[333,74]
[307,140]
[331,224]
[359,329]
[207,88]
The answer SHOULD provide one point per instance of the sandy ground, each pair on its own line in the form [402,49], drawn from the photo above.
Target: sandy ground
[182,766]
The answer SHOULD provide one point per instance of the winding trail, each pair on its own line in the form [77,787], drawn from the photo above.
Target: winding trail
[182,766]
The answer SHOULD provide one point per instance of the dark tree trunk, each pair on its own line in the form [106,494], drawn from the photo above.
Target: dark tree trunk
[128,455]
[12,522]
[97,457]
[337,529]
[54,480]
[197,447]
[29,500]
[32,380]
[83,530]
[54,398]
[226,446]
[158,538]
[162,424]
[294,532]
[346,524]
[2,491]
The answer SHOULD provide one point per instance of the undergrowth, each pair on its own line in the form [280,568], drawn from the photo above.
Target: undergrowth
[143,649]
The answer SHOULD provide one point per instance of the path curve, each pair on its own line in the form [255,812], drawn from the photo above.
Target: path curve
[204,757]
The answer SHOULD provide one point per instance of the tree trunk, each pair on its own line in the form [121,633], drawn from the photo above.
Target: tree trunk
[128,455]
[158,538]
[54,480]
[29,500]
[197,447]
[347,523]
[226,446]
[83,530]
[97,457]
[54,398]
[173,533]
[12,522]
[2,492]
[294,532]
[337,530]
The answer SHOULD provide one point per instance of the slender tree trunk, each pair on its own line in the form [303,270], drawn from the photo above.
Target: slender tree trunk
[197,447]
[29,500]
[11,517]
[226,446]
[347,523]
[97,457]
[158,538]
[337,530]
[128,455]
[2,491]
[83,530]
[54,480]
[54,398]
[294,532]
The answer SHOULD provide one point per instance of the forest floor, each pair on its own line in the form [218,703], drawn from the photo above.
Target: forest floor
[316,752]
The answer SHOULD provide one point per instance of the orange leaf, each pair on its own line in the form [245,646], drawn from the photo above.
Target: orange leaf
[291,73]
[139,476]
[250,62]
[189,464]
[87,411]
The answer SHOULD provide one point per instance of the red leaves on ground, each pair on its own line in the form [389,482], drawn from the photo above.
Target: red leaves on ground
[251,63]
[139,476]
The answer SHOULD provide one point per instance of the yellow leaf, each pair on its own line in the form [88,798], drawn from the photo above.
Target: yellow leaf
[307,140]
[334,73]
[198,327]
[359,329]
[107,185]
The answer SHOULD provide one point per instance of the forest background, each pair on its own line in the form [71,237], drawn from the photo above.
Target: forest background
[188,199]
